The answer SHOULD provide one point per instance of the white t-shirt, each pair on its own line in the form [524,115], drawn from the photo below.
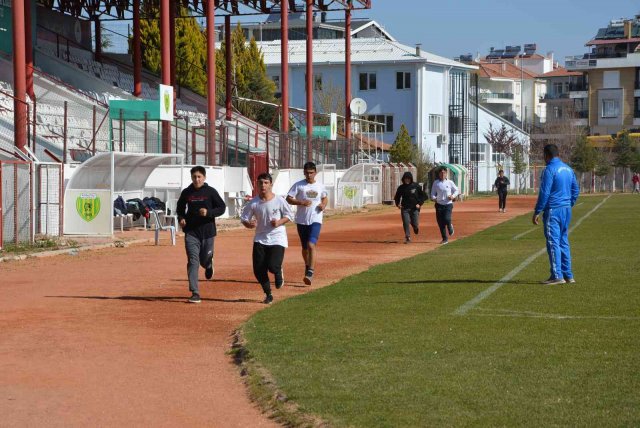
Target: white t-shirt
[301,191]
[441,190]
[264,212]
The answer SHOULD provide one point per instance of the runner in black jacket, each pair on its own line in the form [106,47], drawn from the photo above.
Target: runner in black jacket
[198,206]
[409,198]
[502,186]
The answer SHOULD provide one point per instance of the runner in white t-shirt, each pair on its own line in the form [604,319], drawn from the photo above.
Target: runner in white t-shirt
[311,199]
[267,213]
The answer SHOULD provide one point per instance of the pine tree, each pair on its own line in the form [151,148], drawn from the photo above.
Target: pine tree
[402,149]
[624,152]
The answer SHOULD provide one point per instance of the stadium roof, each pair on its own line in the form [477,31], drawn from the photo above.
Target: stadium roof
[363,50]
[92,8]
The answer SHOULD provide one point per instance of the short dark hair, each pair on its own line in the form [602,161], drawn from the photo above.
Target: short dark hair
[199,169]
[309,165]
[551,150]
[265,176]
[441,168]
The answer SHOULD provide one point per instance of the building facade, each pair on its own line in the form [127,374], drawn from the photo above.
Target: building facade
[609,84]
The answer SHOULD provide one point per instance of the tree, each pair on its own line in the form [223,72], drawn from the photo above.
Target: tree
[501,140]
[520,165]
[403,149]
[603,166]
[624,152]
[584,157]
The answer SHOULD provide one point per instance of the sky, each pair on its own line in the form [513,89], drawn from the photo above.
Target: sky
[453,27]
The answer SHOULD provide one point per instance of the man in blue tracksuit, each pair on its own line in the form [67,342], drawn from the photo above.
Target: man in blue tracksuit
[558,193]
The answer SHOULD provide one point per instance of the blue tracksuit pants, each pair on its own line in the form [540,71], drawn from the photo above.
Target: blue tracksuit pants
[556,232]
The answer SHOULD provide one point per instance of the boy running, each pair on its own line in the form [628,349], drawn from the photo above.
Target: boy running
[267,213]
[311,199]
[198,206]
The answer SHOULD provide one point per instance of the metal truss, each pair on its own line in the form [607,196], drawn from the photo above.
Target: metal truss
[120,9]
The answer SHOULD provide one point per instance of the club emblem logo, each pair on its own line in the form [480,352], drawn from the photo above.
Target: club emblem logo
[88,206]
[350,192]
[167,102]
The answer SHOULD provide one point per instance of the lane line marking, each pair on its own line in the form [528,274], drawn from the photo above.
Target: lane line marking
[515,238]
[466,307]
[556,316]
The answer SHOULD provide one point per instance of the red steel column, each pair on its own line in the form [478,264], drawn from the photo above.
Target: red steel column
[28,49]
[137,52]
[165,61]
[19,76]
[98,33]
[284,81]
[309,79]
[347,75]
[228,65]
[211,80]
[172,46]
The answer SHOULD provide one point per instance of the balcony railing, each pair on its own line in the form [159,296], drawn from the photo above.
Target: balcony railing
[496,96]
[555,96]
[578,87]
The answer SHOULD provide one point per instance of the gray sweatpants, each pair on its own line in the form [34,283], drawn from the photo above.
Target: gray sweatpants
[199,253]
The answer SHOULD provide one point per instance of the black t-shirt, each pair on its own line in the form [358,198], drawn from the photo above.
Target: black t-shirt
[188,207]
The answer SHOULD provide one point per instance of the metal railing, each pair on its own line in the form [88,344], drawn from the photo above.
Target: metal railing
[496,95]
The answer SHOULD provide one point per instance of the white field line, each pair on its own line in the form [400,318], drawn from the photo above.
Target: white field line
[520,235]
[466,307]
[527,314]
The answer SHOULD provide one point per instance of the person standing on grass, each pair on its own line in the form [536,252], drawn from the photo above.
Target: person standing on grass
[409,199]
[636,182]
[311,199]
[559,191]
[444,192]
[267,213]
[502,186]
[198,206]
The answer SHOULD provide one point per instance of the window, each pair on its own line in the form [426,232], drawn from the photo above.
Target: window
[517,88]
[478,152]
[276,80]
[384,119]
[636,108]
[435,123]
[637,77]
[557,112]
[557,88]
[317,82]
[610,108]
[367,81]
[498,157]
[403,80]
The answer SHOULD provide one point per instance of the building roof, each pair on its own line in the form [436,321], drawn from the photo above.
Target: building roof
[595,42]
[503,70]
[561,72]
[363,50]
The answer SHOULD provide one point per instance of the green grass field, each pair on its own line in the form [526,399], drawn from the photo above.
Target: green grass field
[385,348]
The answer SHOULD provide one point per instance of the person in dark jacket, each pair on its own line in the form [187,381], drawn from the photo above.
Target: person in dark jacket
[502,186]
[409,199]
[198,206]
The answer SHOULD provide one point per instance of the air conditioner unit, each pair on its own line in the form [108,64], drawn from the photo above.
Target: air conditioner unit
[440,139]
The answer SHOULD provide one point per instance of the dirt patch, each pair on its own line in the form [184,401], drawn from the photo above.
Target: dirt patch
[106,337]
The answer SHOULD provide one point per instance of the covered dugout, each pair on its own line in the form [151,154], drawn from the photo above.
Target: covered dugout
[89,194]
[457,173]
[360,185]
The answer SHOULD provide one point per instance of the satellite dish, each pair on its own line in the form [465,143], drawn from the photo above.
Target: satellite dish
[358,106]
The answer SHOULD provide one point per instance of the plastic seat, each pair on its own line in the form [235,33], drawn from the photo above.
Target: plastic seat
[159,227]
